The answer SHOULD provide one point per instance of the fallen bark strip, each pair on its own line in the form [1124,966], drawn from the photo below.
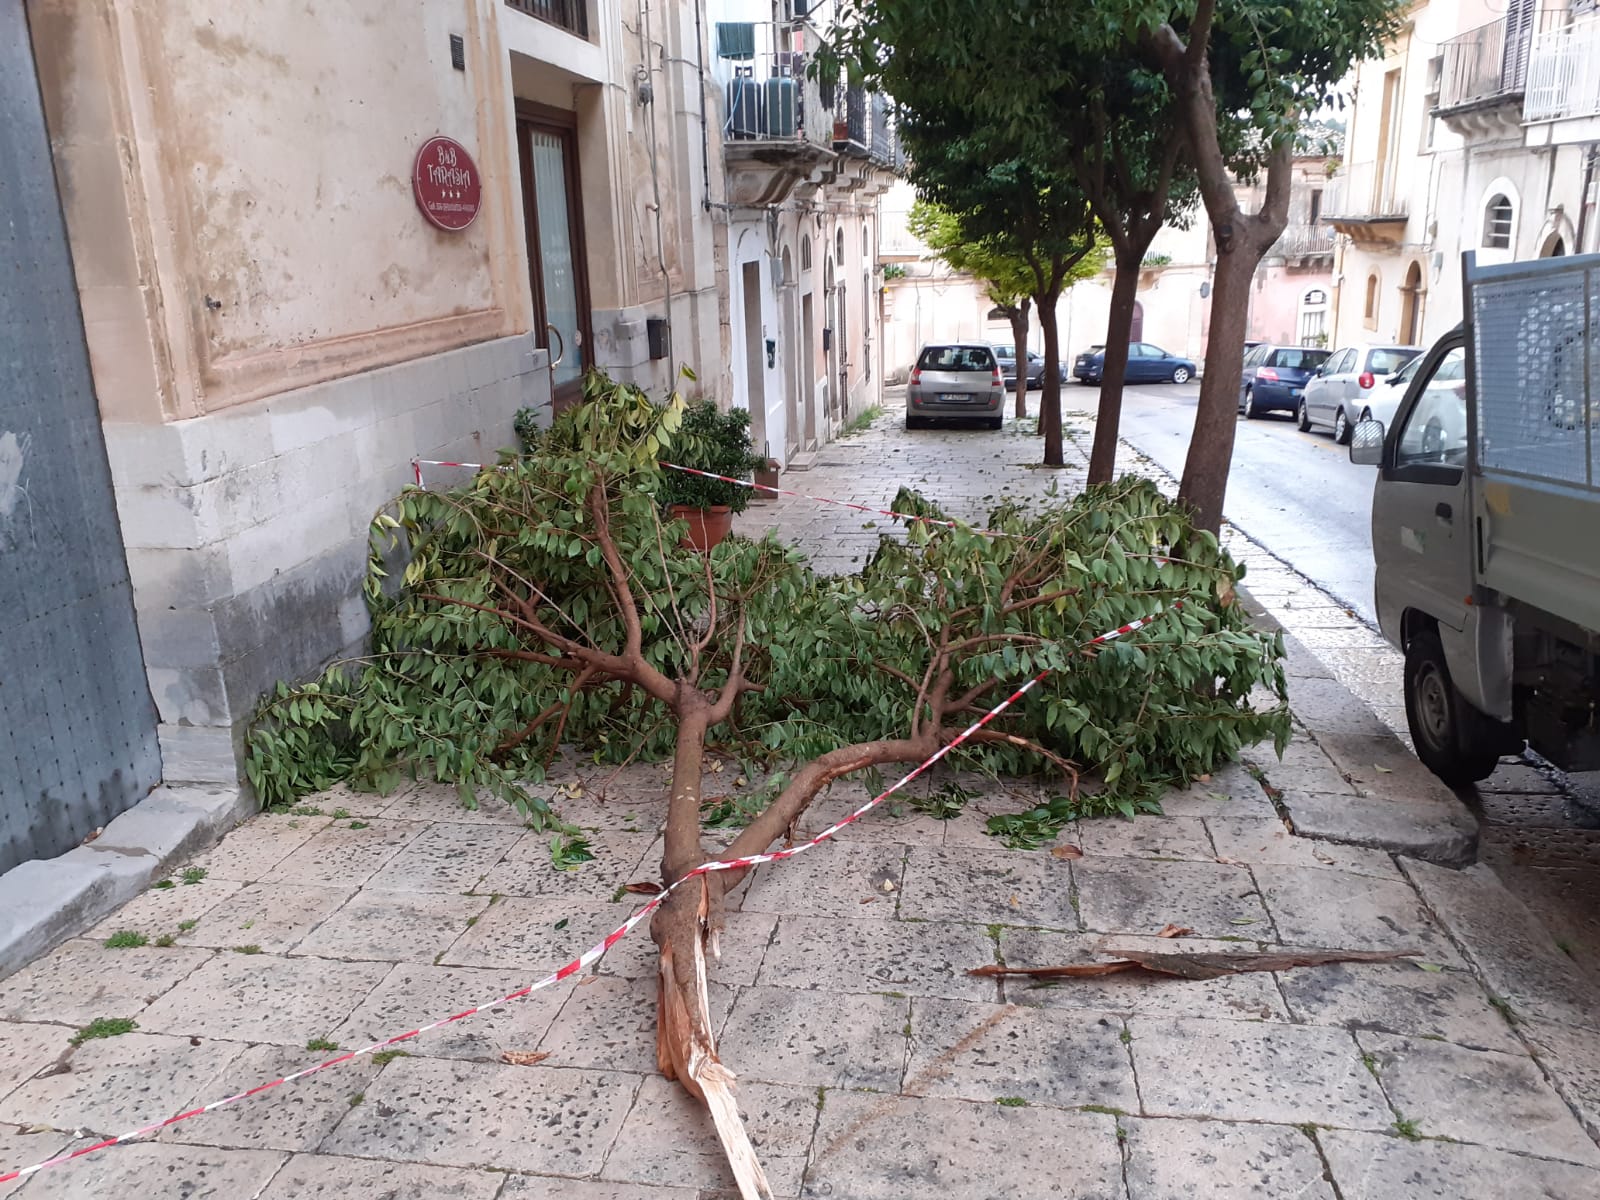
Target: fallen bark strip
[1199,965]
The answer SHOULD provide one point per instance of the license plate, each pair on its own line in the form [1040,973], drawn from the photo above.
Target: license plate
[955,398]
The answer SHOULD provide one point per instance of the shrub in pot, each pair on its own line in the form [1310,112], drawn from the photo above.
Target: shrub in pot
[718,442]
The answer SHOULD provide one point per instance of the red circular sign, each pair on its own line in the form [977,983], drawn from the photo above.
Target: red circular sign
[446,183]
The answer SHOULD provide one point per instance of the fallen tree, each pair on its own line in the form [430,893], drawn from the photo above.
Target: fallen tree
[549,602]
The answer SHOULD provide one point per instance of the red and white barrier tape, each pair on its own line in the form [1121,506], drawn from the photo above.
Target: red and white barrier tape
[595,952]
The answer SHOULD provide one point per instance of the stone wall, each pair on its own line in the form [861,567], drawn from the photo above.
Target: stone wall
[246,529]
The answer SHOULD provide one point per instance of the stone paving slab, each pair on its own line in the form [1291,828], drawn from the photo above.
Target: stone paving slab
[327,1177]
[1255,1071]
[1402,999]
[394,926]
[667,1142]
[1268,842]
[299,1119]
[412,994]
[460,1114]
[1002,1052]
[1166,837]
[526,868]
[871,1147]
[990,885]
[81,980]
[108,1085]
[1478,1096]
[830,885]
[183,1172]
[781,1035]
[20,1149]
[276,917]
[339,856]
[25,1050]
[250,852]
[1373,1167]
[1570,1058]
[257,997]
[445,858]
[1213,899]
[1370,914]
[1180,1160]
[162,910]
[912,958]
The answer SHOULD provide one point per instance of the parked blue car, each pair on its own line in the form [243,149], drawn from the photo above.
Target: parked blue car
[1146,364]
[1275,378]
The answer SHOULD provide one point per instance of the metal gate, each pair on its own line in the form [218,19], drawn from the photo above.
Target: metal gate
[77,725]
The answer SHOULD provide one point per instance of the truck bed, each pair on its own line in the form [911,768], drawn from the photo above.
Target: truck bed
[1535,433]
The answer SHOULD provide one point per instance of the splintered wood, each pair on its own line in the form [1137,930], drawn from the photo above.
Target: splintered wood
[1198,965]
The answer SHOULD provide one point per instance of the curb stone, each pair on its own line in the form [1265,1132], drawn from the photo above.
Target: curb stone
[44,902]
[1393,802]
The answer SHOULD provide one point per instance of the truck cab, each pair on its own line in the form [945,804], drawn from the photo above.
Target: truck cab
[1486,524]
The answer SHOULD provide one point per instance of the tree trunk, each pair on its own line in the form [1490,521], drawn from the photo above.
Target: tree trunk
[1205,470]
[1119,329]
[686,1047]
[1019,343]
[1050,396]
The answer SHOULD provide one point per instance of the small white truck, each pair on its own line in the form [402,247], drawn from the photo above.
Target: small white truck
[1486,524]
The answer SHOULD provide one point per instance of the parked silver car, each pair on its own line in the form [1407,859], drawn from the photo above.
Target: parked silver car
[955,380]
[1336,394]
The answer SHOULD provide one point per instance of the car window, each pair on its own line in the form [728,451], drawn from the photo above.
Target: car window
[1389,360]
[956,358]
[1004,352]
[1256,354]
[1295,359]
[1408,371]
[1339,363]
[1153,351]
[1436,428]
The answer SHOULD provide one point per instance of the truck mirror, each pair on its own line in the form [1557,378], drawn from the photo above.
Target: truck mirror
[1366,444]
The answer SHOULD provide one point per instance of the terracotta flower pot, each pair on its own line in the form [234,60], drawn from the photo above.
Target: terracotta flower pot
[707,526]
[766,477]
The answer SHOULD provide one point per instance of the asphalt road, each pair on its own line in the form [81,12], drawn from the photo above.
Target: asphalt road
[1296,493]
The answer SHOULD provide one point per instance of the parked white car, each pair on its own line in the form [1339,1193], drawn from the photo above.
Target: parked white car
[1336,395]
[1384,400]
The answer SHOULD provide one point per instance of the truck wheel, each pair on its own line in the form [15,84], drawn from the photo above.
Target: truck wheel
[1454,740]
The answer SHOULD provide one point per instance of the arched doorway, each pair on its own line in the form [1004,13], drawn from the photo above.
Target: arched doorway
[1411,305]
[793,356]
[1136,330]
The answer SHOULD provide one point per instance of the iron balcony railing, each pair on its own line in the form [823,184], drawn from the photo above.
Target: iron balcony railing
[1304,241]
[1491,62]
[571,15]
[767,94]
[1362,192]
[863,123]
[1564,74]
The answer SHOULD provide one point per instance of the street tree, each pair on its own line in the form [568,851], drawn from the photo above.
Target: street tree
[1007,279]
[1020,210]
[1234,83]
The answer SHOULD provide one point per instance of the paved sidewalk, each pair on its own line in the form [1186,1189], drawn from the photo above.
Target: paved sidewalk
[872,1066]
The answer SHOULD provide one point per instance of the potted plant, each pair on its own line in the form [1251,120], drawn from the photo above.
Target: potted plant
[717,442]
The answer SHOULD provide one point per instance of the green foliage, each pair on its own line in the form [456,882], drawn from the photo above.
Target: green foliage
[185,926]
[527,425]
[471,678]
[715,441]
[252,948]
[944,803]
[104,1027]
[321,1044]
[167,940]
[193,875]
[126,939]
[862,421]
[569,851]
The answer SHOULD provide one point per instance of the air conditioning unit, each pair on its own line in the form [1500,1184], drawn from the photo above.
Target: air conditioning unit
[796,10]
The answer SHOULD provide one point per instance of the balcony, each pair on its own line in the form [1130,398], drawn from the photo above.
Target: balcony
[1304,244]
[1564,75]
[1484,72]
[776,130]
[1366,204]
[571,15]
[863,124]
